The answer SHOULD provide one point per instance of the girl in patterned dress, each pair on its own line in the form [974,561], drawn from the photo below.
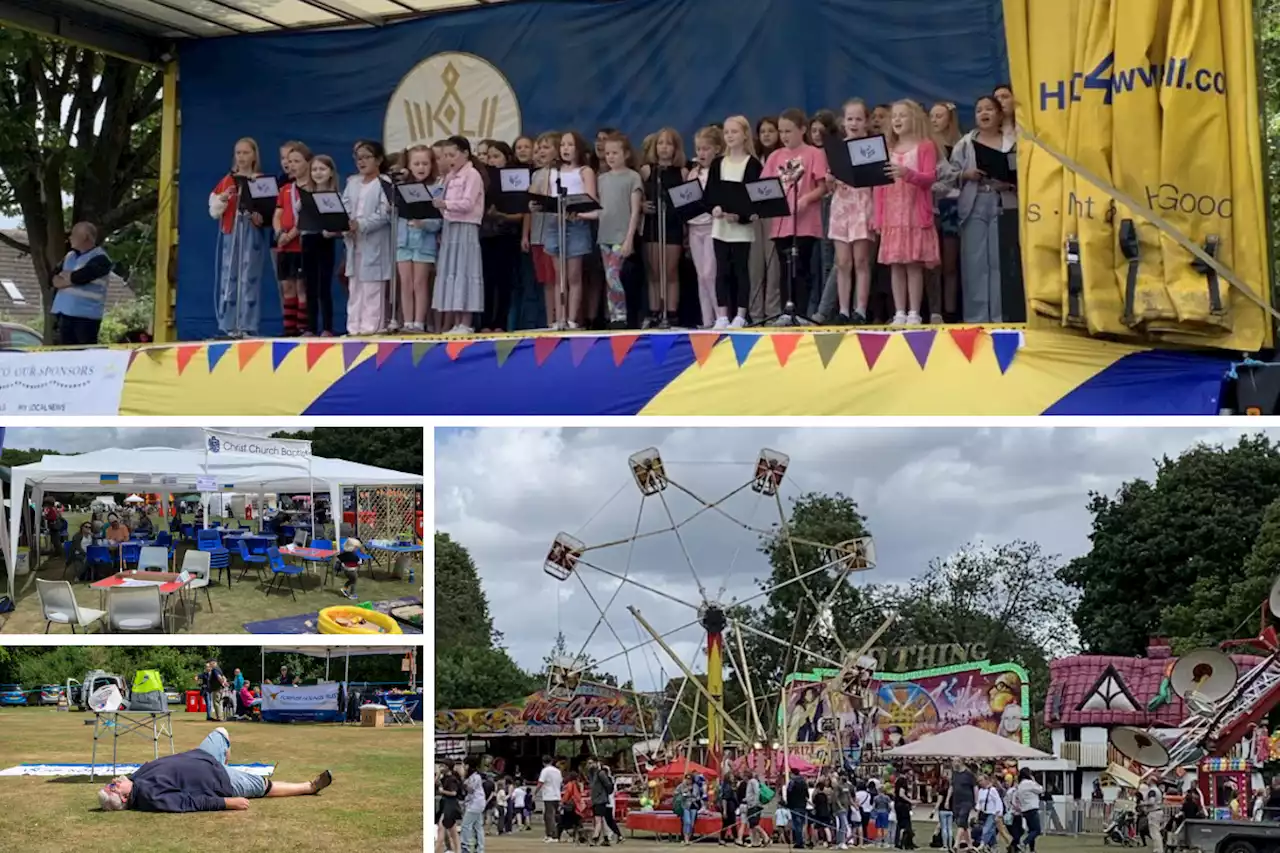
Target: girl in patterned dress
[904,209]
[852,229]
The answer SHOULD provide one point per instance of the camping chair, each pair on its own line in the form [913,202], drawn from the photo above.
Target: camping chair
[196,563]
[135,608]
[281,569]
[154,558]
[400,710]
[58,603]
[255,560]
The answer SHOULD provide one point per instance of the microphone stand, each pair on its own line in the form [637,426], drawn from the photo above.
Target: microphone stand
[391,325]
[237,261]
[562,267]
[789,316]
[661,218]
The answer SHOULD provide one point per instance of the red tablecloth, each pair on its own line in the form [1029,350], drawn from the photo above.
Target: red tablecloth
[169,582]
[667,823]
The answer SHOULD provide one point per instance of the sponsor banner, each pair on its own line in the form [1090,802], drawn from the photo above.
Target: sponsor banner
[72,382]
[281,451]
[316,697]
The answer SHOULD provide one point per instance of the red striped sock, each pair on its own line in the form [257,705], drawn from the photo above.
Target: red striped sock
[290,315]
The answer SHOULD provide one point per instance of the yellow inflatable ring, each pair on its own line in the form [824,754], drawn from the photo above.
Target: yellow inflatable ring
[328,625]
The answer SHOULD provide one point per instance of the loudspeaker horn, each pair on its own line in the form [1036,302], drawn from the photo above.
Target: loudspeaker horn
[1139,746]
[1208,672]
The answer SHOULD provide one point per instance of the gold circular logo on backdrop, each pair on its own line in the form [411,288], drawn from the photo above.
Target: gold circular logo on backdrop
[451,94]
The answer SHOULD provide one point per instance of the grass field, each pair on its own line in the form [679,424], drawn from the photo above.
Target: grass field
[527,842]
[244,601]
[375,802]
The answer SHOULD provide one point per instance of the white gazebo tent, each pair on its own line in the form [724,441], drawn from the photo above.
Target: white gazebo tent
[169,471]
[328,653]
[965,742]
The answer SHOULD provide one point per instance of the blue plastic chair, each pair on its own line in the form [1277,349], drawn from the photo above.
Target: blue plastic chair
[281,569]
[219,557]
[130,552]
[254,560]
[188,531]
[99,557]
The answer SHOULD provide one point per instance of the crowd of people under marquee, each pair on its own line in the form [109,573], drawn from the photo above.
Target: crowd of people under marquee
[938,243]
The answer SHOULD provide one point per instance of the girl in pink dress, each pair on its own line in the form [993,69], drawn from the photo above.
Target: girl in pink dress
[852,225]
[904,209]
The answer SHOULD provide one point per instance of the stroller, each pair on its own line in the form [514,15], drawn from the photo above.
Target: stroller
[1122,830]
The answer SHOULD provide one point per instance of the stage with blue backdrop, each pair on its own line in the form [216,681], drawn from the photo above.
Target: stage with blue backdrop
[527,67]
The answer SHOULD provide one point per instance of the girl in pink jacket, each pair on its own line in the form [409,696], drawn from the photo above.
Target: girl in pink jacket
[460,274]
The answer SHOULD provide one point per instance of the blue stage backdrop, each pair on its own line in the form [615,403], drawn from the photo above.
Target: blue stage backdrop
[535,65]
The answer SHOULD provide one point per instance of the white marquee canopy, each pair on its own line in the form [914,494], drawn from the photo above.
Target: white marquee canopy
[166,471]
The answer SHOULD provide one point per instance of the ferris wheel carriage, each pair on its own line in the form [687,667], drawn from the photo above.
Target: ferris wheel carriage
[771,467]
[563,557]
[649,471]
[563,678]
[856,677]
[852,555]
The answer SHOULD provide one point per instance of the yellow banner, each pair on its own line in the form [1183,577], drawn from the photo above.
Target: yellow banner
[1157,99]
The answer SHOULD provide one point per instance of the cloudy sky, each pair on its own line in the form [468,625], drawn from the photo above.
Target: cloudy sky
[506,493]
[83,439]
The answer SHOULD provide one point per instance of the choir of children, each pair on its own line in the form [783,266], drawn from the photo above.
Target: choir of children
[924,245]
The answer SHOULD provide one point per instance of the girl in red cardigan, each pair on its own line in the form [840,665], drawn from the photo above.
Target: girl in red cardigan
[904,209]
[293,296]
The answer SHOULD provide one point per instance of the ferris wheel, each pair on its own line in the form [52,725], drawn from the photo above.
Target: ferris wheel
[570,558]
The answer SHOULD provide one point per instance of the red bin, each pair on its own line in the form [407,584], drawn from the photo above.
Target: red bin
[195,702]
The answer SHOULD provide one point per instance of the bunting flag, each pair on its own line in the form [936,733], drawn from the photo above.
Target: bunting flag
[543,347]
[579,346]
[385,349]
[967,340]
[214,353]
[280,351]
[921,344]
[1006,343]
[702,345]
[420,349]
[661,344]
[132,357]
[784,345]
[872,343]
[246,350]
[827,344]
[185,355]
[350,352]
[454,348]
[315,350]
[621,345]
[742,346]
[502,348]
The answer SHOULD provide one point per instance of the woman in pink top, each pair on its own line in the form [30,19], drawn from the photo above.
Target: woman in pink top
[904,209]
[803,170]
[460,276]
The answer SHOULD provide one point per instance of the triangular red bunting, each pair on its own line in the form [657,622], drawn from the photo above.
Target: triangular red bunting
[784,346]
[454,348]
[314,351]
[246,350]
[872,344]
[185,355]
[384,352]
[702,345]
[621,345]
[543,347]
[967,340]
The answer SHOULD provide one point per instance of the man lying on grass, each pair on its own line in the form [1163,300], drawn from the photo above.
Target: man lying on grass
[199,781]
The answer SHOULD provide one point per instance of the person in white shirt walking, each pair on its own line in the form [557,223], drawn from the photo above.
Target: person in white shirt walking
[1029,793]
[517,805]
[990,809]
[549,784]
[474,806]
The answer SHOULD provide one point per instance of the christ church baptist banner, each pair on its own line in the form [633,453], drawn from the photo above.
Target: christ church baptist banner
[1142,138]
[318,703]
[221,446]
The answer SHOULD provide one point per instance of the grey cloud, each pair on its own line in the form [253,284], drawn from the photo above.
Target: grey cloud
[505,493]
[84,439]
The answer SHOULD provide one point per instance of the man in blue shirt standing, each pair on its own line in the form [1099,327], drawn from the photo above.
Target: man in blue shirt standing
[81,285]
[199,781]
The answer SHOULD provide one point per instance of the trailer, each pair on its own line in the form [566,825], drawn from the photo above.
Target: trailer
[1229,836]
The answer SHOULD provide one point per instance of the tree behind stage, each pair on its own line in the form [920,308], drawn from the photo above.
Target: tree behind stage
[74,122]
[472,669]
